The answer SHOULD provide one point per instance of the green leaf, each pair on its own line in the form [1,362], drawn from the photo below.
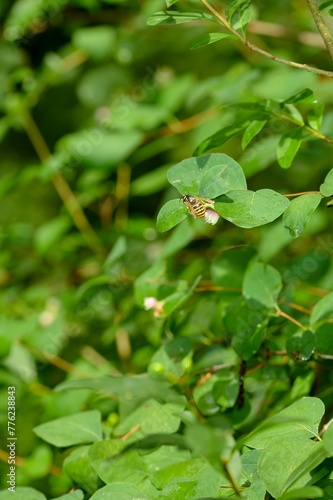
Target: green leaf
[250,209]
[204,40]
[301,345]
[113,466]
[300,419]
[22,493]
[98,42]
[262,283]
[301,493]
[299,211]
[207,175]
[175,472]
[154,418]
[170,2]
[171,214]
[251,131]
[239,14]
[75,429]
[288,146]
[174,17]
[51,233]
[315,117]
[322,310]
[305,95]
[78,467]
[328,440]
[98,148]
[221,137]
[324,341]
[287,462]
[120,491]
[246,343]
[326,187]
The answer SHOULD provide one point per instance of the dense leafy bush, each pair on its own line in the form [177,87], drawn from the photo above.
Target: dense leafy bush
[166,250]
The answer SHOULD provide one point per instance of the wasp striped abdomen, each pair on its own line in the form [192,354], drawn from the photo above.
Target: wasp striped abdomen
[195,206]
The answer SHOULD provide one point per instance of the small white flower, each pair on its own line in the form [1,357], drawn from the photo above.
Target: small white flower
[153,303]
[211,216]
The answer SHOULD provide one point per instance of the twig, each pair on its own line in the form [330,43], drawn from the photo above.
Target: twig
[321,25]
[255,48]
[291,195]
[279,312]
[63,189]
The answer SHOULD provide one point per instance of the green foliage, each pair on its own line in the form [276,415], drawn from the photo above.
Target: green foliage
[165,258]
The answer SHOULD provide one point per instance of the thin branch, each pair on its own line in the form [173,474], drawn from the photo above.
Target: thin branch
[279,312]
[291,195]
[321,25]
[255,48]
[66,194]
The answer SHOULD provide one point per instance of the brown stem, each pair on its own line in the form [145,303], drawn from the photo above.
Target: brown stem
[321,25]
[254,47]
[66,194]
[290,318]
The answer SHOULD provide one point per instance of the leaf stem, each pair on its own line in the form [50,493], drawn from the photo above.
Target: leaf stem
[291,195]
[321,25]
[255,48]
[290,318]
[66,194]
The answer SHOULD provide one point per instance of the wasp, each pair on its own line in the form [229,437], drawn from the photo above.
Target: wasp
[201,207]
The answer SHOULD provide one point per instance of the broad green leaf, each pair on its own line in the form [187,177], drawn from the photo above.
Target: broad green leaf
[215,443]
[250,209]
[174,17]
[51,233]
[301,493]
[328,440]
[98,42]
[287,462]
[207,176]
[98,148]
[262,283]
[300,419]
[78,467]
[22,493]
[288,146]
[221,137]
[324,340]
[113,466]
[301,345]
[170,2]
[175,472]
[246,345]
[305,95]
[119,491]
[326,187]
[239,14]
[251,131]
[204,40]
[299,211]
[74,495]
[171,357]
[165,456]
[322,310]
[75,429]
[171,214]
[221,179]
[154,418]
[315,117]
